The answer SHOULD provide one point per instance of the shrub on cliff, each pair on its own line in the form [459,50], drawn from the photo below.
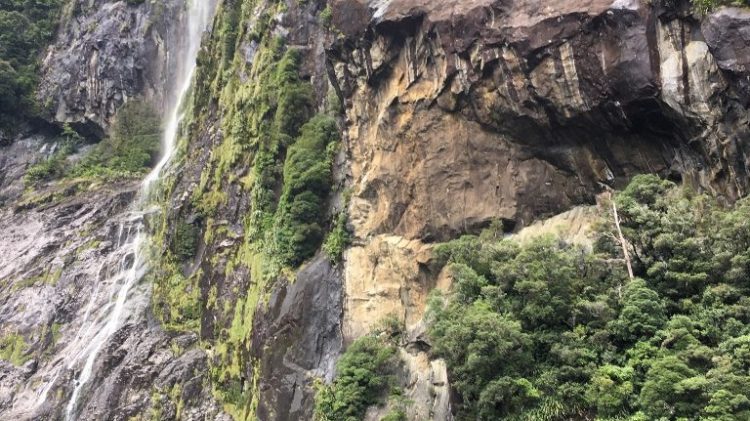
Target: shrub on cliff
[307,183]
[185,240]
[338,239]
[700,6]
[54,166]
[47,169]
[705,6]
[132,149]
[363,376]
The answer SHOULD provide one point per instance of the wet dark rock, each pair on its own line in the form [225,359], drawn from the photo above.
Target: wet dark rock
[29,368]
[138,362]
[106,53]
[727,34]
[298,339]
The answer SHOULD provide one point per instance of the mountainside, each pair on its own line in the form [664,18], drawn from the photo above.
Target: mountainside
[330,159]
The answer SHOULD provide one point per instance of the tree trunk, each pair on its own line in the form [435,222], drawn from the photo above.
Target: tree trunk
[623,243]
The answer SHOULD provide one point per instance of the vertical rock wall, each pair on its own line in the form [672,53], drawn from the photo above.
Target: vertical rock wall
[463,113]
[456,114]
[59,242]
[107,52]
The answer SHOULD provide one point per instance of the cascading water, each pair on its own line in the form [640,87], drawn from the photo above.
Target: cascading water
[128,259]
[129,271]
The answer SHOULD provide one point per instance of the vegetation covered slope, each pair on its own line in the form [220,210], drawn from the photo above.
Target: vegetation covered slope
[703,6]
[129,152]
[257,202]
[550,331]
[26,27]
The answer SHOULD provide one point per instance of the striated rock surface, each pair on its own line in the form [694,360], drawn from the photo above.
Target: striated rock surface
[61,255]
[576,226]
[463,113]
[64,245]
[727,35]
[107,52]
[298,338]
[15,159]
[389,275]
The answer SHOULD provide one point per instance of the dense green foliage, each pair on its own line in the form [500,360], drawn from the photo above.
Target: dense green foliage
[130,151]
[132,148]
[52,167]
[26,27]
[185,240]
[55,166]
[326,16]
[549,331]
[307,183]
[338,239]
[363,378]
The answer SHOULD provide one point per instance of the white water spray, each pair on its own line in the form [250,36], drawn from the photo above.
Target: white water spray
[131,265]
[199,15]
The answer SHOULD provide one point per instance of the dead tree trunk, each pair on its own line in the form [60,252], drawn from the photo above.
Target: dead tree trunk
[623,243]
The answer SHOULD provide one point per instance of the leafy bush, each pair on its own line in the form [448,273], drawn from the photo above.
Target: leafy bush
[132,149]
[338,239]
[363,378]
[48,169]
[549,331]
[295,103]
[54,166]
[185,240]
[326,16]
[307,183]
[395,415]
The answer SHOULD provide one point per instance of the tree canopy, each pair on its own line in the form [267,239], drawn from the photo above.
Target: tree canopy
[26,27]
[552,331]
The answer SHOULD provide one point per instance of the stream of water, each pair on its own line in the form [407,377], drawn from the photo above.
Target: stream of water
[127,263]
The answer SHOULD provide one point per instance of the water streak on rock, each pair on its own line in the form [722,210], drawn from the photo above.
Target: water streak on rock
[131,265]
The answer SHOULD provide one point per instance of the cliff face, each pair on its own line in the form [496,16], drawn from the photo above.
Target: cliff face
[519,112]
[458,114]
[453,115]
[461,113]
[63,244]
[269,333]
[107,52]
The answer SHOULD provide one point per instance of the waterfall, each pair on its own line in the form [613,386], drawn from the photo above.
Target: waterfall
[128,260]
[200,13]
